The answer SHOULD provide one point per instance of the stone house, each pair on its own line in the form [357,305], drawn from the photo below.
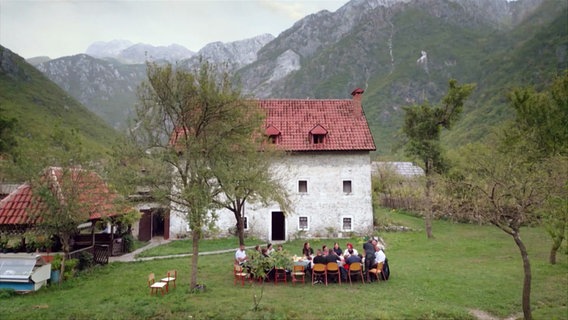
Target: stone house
[327,172]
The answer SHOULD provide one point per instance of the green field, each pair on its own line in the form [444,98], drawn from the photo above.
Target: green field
[465,267]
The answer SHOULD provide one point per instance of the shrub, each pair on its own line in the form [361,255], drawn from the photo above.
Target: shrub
[86,260]
[7,293]
[128,242]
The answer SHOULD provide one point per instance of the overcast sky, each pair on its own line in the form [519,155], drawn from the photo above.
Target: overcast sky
[57,28]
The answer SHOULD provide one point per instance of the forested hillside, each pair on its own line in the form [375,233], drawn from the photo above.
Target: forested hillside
[39,105]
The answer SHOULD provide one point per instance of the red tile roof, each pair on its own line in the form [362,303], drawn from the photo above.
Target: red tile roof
[342,121]
[22,208]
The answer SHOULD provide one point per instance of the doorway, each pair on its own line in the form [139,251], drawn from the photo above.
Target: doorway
[278,226]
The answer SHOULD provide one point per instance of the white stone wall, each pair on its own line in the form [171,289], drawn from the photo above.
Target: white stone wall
[325,204]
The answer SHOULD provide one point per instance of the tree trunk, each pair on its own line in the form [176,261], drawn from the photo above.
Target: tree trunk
[428,214]
[240,221]
[527,281]
[66,249]
[555,246]
[194,258]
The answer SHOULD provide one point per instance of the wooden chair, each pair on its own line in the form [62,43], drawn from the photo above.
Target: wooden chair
[171,277]
[333,269]
[376,271]
[357,269]
[298,273]
[239,274]
[155,286]
[279,275]
[319,270]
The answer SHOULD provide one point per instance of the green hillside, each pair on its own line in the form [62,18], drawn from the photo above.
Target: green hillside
[38,105]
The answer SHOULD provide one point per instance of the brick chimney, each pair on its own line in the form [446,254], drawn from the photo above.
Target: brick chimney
[357,108]
[357,94]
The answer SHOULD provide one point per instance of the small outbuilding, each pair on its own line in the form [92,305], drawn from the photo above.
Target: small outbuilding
[23,272]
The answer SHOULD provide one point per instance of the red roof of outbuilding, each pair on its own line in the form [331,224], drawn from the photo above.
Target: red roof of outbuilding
[343,122]
[21,207]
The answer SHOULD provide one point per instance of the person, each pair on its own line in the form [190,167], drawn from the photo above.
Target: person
[241,255]
[379,255]
[331,256]
[350,251]
[280,248]
[337,249]
[319,258]
[257,248]
[369,249]
[269,249]
[307,251]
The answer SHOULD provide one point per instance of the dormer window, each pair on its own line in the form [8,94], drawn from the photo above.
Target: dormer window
[318,134]
[273,134]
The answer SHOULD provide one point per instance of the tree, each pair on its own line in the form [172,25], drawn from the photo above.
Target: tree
[422,127]
[540,131]
[65,193]
[190,122]
[246,176]
[7,138]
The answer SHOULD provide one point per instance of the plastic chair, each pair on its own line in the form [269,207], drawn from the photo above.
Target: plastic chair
[279,275]
[376,271]
[333,269]
[239,274]
[298,273]
[357,269]
[155,286]
[171,277]
[319,270]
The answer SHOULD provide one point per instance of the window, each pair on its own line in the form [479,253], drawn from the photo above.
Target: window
[303,223]
[245,223]
[273,139]
[318,138]
[347,224]
[303,186]
[346,186]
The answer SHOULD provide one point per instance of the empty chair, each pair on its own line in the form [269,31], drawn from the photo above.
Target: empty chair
[298,274]
[319,272]
[171,277]
[155,286]
[355,268]
[240,274]
[333,269]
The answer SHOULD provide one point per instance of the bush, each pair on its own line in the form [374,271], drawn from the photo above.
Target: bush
[128,242]
[86,260]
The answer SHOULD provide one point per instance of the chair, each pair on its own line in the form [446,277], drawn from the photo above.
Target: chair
[155,286]
[172,275]
[298,273]
[333,269]
[376,271]
[319,270]
[355,268]
[239,274]
[279,275]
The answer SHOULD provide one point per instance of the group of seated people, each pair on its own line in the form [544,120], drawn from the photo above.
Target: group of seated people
[373,256]
[241,256]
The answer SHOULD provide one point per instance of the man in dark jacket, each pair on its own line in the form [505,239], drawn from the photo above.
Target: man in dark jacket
[369,248]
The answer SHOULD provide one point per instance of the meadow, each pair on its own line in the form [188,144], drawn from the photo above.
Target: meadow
[466,267]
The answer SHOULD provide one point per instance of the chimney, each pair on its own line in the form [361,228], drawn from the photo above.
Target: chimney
[357,108]
[357,94]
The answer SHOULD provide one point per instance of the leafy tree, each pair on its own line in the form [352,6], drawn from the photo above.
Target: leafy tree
[64,190]
[540,132]
[188,124]
[246,176]
[422,127]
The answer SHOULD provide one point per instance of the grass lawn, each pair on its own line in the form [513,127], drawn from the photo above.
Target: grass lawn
[465,267]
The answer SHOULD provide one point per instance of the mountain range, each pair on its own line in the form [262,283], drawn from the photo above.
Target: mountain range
[401,52]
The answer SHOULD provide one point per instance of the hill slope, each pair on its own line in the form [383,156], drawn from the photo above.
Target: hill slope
[38,105]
